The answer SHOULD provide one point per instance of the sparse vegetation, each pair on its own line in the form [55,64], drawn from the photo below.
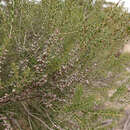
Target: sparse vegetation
[61,66]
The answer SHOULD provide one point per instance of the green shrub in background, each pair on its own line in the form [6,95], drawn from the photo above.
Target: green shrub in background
[46,50]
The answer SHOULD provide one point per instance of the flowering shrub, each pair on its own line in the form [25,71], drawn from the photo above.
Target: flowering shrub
[48,48]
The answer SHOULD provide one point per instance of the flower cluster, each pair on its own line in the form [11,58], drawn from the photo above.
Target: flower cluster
[41,62]
[5,122]
[2,61]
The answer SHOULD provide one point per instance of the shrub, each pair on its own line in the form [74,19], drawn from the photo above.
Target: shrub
[44,52]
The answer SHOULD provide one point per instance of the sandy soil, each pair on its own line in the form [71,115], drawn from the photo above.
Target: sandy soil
[126,48]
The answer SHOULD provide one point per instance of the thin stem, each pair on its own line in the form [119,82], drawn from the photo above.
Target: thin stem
[36,117]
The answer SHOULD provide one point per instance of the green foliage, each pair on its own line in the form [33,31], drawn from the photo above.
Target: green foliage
[50,49]
[86,112]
